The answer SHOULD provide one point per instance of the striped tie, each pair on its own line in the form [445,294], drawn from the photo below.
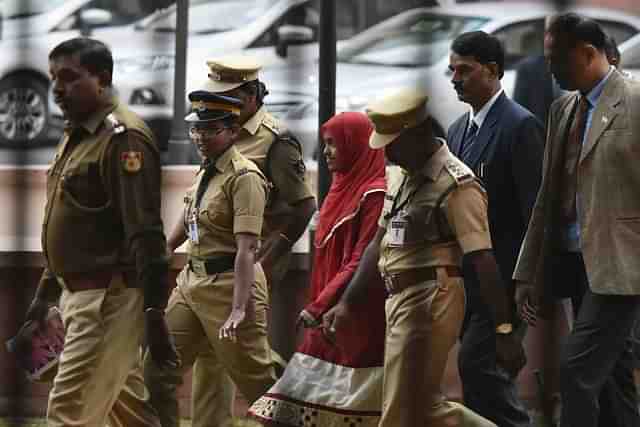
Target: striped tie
[467,143]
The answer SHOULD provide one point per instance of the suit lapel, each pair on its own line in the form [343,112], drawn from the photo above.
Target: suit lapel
[485,134]
[608,107]
[455,139]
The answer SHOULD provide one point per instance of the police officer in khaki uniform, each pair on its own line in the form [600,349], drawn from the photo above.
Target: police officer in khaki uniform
[220,302]
[435,213]
[264,140]
[104,246]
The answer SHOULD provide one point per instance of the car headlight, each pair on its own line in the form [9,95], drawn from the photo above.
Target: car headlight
[145,63]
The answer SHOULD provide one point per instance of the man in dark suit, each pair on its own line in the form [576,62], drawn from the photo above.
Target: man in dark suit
[534,86]
[583,240]
[503,143]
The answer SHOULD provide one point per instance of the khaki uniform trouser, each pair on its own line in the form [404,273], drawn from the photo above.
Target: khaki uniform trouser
[212,392]
[198,307]
[423,324]
[99,377]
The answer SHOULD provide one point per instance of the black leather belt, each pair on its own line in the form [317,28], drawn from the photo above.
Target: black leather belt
[213,265]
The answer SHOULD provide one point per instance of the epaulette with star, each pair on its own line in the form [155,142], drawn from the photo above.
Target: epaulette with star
[459,171]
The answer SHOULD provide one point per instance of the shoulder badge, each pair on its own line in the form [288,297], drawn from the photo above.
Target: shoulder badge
[460,172]
[115,124]
[272,124]
[131,161]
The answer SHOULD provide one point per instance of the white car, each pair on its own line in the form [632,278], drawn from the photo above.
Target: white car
[280,34]
[27,18]
[30,29]
[144,47]
[412,49]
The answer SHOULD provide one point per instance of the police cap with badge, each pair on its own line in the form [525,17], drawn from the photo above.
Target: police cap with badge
[230,72]
[396,113]
[207,107]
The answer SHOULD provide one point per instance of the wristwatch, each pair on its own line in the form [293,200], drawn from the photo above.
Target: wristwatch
[504,329]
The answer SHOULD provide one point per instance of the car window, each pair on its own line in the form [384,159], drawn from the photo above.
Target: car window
[122,13]
[14,9]
[521,40]
[202,16]
[308,15]
[421,40]
[631,57]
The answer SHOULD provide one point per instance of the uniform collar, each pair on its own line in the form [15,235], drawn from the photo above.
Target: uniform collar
[223,162]
[436,162]
[253,124]
[93,122]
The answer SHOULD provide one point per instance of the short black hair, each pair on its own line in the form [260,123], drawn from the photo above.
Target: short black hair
[255,88]
[93,55]
[573,29]
[611,49]
[483,47]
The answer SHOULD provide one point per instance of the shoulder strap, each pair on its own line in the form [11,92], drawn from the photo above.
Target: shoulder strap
[283,137]
[440,215]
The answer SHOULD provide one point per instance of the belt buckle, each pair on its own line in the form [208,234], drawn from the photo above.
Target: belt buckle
[198,267]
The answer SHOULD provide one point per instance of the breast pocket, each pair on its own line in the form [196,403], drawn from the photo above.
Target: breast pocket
[218,210]
[82,187]
[421,225]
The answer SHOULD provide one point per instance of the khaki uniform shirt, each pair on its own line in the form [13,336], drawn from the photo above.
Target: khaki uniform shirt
[103,195]
[287,170]
[233,203]
[434,237]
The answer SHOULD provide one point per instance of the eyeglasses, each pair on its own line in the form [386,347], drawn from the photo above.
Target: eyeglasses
[207,133]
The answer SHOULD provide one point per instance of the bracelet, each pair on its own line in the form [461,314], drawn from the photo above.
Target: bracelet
[154,310]
[284,236]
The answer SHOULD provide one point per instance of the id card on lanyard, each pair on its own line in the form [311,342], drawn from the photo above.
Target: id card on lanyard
[398,230]
[193,228]
[399,216]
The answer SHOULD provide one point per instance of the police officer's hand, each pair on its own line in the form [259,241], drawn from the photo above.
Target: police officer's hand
[510,353]
[229,329]
[334,319]
[158,339]
[37,312]
[527,300]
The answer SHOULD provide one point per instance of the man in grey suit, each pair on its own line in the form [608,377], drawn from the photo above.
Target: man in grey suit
[583,239]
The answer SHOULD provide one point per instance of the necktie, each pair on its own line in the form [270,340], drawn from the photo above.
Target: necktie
[572,156]
[467,143]
[209,172]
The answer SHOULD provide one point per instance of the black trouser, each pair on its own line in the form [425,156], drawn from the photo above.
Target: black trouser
[486,388]
[596,366]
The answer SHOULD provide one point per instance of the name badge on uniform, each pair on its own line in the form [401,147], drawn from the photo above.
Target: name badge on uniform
[398,230]
[193,230]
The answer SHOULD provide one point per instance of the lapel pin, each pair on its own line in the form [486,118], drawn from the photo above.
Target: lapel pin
[605,120]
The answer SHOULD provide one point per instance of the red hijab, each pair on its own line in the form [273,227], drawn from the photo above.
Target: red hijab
[363,174]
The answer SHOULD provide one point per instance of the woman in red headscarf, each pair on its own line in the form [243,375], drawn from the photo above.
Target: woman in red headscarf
[327,382]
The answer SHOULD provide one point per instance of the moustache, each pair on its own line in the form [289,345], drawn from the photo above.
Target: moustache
[458,86]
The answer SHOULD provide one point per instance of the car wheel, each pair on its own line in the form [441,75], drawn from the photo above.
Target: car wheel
[24,112]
